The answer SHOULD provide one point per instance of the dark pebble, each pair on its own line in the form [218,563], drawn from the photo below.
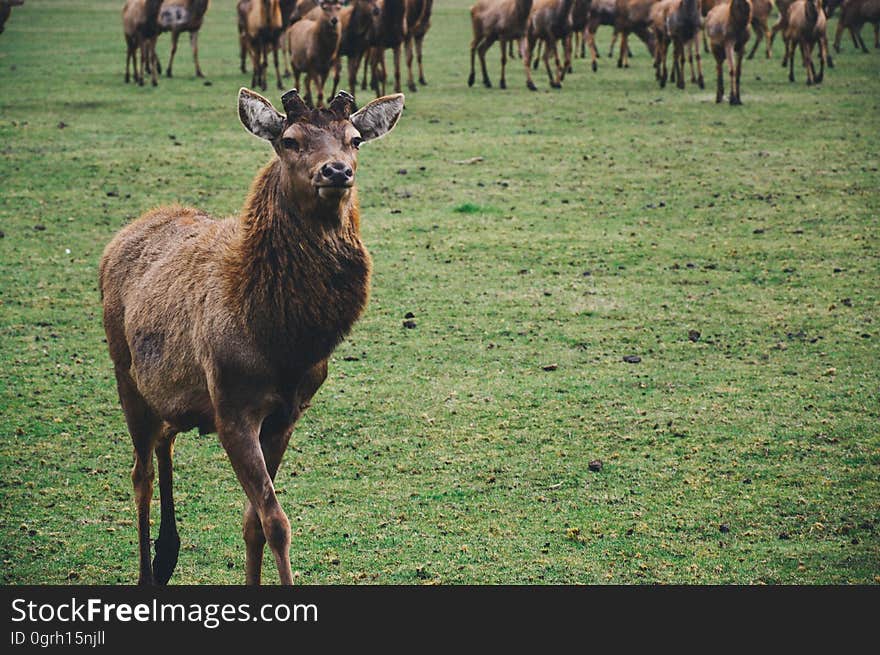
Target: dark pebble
[724,528]
[784,535]
[550,367]
[694,335]
[409,315]
[3,234]
[759,230]
[209,83]
[595,466]
[855,541]
[62,125]
[113,194]
[632,359]
[39,228]
[401,171]
[409,325]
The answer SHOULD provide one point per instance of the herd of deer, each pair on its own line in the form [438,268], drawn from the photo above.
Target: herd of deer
[313,36]
[725,25]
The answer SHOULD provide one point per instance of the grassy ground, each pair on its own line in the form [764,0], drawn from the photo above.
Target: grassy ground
[605,220]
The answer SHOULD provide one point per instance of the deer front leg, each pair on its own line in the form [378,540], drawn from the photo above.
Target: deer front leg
[277,69]
[396,68]
[168,542]
[174,36]
[194,43]
[422,79]
[502,83]
[527,61]
[410,83]
[241,440]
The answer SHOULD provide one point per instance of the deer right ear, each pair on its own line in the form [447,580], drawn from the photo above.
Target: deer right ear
[258,115]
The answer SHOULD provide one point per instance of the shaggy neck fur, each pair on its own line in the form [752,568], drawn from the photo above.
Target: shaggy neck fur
[301,277]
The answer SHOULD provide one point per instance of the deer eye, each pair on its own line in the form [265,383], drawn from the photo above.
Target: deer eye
[356,142]
[290,144]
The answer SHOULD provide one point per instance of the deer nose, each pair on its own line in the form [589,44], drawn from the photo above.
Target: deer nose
[375,11]
[334,20]
[337,172]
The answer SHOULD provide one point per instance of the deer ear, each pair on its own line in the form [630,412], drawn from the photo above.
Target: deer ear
[258,115]
[379,117]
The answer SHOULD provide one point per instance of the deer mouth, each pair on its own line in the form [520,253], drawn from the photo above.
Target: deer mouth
[328,191]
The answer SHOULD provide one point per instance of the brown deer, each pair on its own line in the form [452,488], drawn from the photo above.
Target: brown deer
[602,12]
[292,11]
[806,28]
[260,27]
[677,22]
[418,22]
[548,22]
[633,16]
[761,25]
[577,18]
[140,24]
[227,326]
[6,9]
[313,45]
[727,27]
[496,20]
[178,16]
[853,16]
[390,35]
[357,21]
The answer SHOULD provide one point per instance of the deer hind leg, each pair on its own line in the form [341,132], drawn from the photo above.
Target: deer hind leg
[194,42]
[731,67]
[168,542]
[144,427]
[174,36]
[354,63]
[614,36]
[759,34]
[484,45]
[789,53]
[422,79]
[396,50]
[280,84]
[678,62]
[410,82]
[591,44]
[128,58]
[502,83]
[695,46]
[739,65]
[529,41]
[719,71]
[807,61]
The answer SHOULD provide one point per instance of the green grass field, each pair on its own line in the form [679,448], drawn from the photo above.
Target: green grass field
[608,219]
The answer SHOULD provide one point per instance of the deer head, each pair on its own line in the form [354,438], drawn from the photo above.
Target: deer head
[317,148]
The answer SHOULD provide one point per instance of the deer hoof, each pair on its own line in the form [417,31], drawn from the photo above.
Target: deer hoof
[471,79]
[502,84]
[531,86]
[487,83]
[830,62]
[412,87]
[423,81]
[556,85]
[700,82]
[595,67]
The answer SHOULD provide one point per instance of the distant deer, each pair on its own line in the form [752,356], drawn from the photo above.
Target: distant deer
[140,24]
[260,27]
[313,45]
[806,28]
[601,12]
[548,22]
[577,18]
[357,21]
[677,22]
[418,22]
[633,16]
[178,16]
[6,9]
[853,16]
[227,326]
[761,24]
[391,35]
[727,27]
[496,20]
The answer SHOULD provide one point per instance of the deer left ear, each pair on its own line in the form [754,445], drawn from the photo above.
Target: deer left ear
[379,117]
[258,115]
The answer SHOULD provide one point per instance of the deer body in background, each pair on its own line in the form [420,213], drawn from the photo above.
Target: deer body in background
[178,16]
[496,20]
[727,27]
[140,25]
